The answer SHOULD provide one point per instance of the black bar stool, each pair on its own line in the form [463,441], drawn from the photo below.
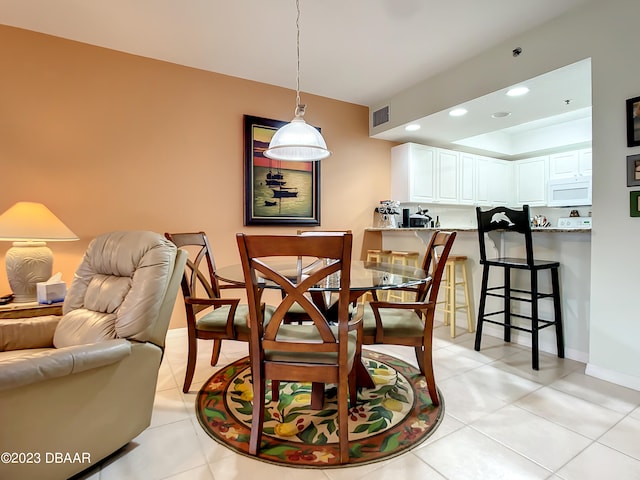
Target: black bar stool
[518,221]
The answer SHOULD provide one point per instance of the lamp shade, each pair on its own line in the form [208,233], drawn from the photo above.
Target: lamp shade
[27,221]
[297,142]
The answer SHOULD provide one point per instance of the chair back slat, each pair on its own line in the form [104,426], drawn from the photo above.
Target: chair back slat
[200,263]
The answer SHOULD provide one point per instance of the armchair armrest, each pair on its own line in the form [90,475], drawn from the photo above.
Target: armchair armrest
[34,332]
[26,367]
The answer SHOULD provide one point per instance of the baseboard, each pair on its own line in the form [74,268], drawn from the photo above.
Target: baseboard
[629,381]
[546,346]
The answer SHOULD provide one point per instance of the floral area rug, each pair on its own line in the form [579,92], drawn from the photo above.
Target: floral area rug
[387,420]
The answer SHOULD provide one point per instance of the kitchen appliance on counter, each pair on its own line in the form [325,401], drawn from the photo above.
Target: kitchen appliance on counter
[574,222]
[420,219]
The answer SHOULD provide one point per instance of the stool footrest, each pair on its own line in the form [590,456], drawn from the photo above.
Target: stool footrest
[541,323]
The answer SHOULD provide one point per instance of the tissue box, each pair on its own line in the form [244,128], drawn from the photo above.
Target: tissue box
[51,292]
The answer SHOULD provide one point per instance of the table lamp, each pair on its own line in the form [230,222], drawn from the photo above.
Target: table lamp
[29,261]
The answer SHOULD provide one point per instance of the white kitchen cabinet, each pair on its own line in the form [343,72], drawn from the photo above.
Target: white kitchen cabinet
[494,181]
[570,164]
[413,173]
[531,178]
[467,177]
[446,175]
[502,186]
[585,162]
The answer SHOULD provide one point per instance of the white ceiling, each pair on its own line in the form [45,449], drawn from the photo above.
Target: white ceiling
[555,115]
[358,51]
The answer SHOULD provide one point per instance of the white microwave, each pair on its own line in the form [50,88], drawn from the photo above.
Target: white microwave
[569,192]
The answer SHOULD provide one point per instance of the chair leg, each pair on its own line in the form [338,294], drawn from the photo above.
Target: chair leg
[353,388]
[343,417]
[425,362]
[483,299]
[317,395]
[557,315]
[215,352]
[534,320]
[191,361]
[507,304]
[257,415]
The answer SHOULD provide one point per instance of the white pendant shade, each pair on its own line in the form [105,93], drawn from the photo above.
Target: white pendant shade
[297,142]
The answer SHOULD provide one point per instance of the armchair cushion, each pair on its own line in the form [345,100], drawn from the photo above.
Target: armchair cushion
[44,364]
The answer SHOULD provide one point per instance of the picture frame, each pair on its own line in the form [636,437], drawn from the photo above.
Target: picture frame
[634,203]
[277,192]
[633,122]
[633,170]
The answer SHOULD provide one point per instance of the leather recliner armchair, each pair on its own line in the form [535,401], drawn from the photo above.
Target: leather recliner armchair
[76,388]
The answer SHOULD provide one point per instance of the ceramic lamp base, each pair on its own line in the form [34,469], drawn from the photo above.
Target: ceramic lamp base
[28,263]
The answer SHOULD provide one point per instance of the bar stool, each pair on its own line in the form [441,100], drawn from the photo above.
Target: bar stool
[402,258]
[516,221]
[378,256]
[450,285]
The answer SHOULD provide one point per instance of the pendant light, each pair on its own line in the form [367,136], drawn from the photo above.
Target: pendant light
[297,141]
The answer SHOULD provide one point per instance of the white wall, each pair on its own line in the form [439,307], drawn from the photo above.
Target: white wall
[606,31]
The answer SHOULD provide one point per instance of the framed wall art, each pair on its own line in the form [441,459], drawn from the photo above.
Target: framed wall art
[634,204]
[633,122]
[633,170]
[277,192]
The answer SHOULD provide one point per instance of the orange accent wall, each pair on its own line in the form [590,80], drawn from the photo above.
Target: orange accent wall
[112,141]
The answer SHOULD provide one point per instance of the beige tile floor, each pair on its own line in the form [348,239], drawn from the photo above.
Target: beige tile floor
[502,420]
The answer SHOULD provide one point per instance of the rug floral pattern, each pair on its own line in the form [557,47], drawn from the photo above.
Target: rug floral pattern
[387,420]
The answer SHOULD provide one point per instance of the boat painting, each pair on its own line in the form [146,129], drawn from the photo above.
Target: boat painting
[284,192]
[277,192]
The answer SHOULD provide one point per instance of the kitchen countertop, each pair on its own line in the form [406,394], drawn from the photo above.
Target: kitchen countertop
[474,229]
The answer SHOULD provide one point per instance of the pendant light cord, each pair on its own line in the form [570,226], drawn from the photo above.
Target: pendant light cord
[299,112]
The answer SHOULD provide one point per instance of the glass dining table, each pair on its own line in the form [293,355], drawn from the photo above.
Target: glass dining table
[365,276]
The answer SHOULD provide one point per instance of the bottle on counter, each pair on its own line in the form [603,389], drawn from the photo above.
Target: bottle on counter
[437,221]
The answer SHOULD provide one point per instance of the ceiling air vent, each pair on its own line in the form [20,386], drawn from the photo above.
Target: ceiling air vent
[381,116]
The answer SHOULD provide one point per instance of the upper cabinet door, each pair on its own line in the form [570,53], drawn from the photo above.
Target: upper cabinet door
[570,164]
[585,162]
[447,176]
[531,181]
[467,176]
[413,173]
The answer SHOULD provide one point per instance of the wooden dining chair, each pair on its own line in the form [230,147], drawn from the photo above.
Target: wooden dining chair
[411,323]
[209,316]
[318,352]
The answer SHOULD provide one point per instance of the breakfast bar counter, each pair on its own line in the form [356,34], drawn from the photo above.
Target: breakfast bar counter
[570,246]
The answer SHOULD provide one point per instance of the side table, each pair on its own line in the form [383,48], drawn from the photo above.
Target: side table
[29,309]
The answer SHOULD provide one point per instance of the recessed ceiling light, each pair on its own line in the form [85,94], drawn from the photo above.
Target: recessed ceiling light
[458,112]
[500,114]
[412,127]
[517,91]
